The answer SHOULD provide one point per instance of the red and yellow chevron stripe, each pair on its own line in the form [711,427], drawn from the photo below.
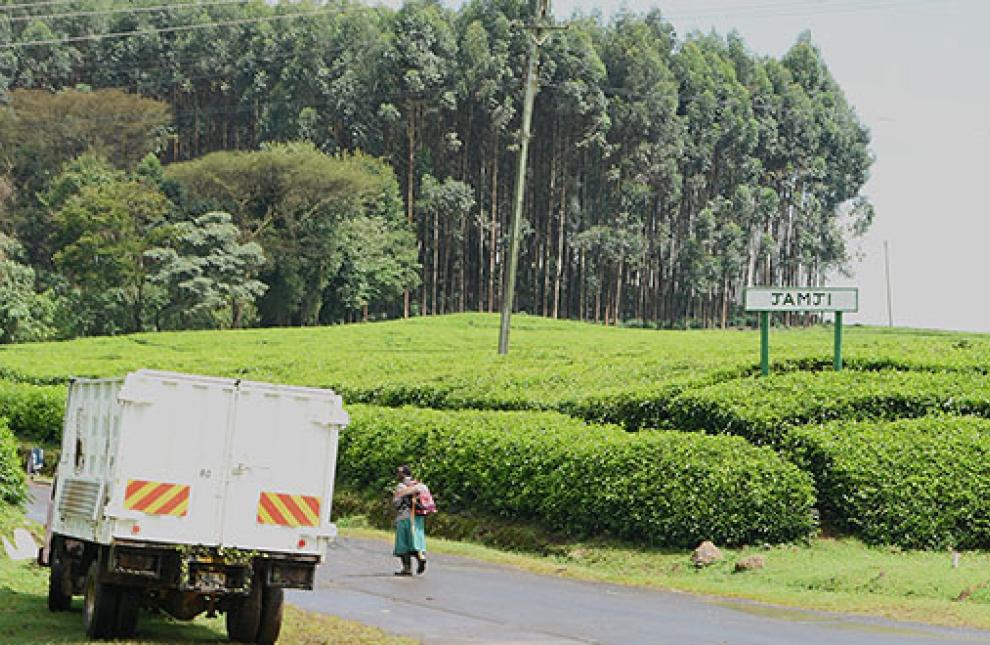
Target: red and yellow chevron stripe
[282,509]
[157,498]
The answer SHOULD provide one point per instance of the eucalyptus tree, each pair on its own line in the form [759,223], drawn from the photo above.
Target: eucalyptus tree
[418,69]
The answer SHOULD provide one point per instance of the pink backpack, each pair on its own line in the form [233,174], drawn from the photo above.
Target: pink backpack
[424,502]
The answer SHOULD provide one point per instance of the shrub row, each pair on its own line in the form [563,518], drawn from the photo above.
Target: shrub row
[762,409]
[33,412]
[917,483]
[13,486]
[656,488]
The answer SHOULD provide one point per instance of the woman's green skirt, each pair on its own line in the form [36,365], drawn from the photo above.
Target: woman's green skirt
[409,541]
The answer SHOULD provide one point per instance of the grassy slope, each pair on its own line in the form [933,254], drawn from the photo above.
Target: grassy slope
[551,361]
[452,361]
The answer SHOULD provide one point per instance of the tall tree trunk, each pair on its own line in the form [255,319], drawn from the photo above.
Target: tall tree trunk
[436,257]
[410,190]
[493,248]
[558,269]
[618,291]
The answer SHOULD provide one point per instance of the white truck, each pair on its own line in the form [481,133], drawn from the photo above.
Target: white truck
[186,494]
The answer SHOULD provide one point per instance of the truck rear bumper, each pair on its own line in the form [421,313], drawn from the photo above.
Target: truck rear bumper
[207,570]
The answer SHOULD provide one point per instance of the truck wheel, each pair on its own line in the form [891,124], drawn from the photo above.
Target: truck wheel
[59,584]
[99,605]
[127,612]
[271,615]
[244,615]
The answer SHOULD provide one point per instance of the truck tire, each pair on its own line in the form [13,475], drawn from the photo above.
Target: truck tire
[59,584]
[128,606]
[99,605]
[271,615]
[244,615]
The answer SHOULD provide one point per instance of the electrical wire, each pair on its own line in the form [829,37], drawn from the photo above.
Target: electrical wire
[794,9]
[31,5]
[182,28]
[127,10]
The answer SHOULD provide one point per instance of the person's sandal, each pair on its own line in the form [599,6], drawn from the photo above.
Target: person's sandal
[404,572]
[421,566]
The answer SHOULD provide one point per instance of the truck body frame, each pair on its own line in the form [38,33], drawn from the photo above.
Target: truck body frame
[189,494]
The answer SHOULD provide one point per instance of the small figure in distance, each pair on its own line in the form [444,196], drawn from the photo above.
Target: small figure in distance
[410,528]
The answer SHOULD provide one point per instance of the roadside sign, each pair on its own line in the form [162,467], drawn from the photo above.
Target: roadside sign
[845,299]
[766,300]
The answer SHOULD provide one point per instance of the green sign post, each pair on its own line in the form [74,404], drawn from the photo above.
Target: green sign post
[767,300]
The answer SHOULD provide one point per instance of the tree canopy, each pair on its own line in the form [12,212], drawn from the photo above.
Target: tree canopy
[667,172]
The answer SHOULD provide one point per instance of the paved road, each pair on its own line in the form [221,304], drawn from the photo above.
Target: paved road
[38,494]
[466,601]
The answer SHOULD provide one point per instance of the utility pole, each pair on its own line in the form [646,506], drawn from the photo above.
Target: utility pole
[890,302]
[540,30]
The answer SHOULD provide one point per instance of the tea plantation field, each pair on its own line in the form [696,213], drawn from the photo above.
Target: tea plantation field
[671,435]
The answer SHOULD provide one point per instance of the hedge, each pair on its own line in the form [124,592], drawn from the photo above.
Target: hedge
[663,488]
[33,412]
[762,409]
[13,486]
[916,483]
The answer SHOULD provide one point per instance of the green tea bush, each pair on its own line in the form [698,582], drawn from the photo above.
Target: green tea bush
[656,488]
[13,487]
[449,361]
[762,409]
[33,412]
[916,483]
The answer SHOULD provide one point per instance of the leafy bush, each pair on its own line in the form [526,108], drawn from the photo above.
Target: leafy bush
[762,409]
[917,483]
[656,488]
[450,362]
[33,412]
[13,488]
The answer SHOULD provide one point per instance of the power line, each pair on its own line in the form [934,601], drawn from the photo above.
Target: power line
[793,9]
[126,10]
[167,30]
[31,5]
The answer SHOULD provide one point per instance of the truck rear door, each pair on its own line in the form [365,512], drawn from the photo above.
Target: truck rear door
[281,469]
[169,479]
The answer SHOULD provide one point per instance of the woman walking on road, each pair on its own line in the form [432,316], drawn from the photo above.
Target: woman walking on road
[410,528]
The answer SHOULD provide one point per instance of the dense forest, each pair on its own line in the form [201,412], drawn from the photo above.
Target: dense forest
[223,163]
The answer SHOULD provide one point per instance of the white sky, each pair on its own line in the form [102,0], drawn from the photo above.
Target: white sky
[918,74]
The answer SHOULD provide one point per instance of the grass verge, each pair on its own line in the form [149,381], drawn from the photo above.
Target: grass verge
[840,575]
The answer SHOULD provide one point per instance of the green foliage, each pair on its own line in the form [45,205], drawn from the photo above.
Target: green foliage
[311,213]
[448,361]
[25,315]
[13,485]
[101,236]
[85,170]
[667,172]
[33,412]
[918,483]
[203,269]
[656,488]
[763,410]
